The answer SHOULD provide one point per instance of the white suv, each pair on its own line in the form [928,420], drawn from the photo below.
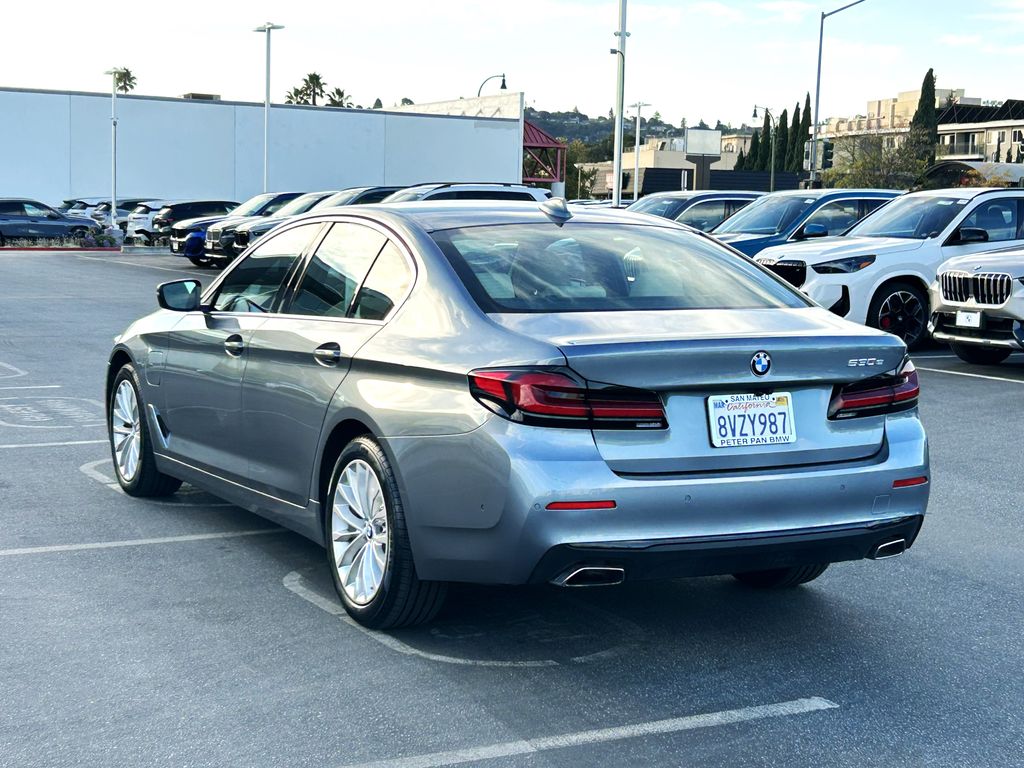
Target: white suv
[140,220]
[879,272]
[467,192]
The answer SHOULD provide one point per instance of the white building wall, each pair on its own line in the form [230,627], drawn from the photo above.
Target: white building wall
[57,145]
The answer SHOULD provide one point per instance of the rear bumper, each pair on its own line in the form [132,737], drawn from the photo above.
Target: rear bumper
[714,556]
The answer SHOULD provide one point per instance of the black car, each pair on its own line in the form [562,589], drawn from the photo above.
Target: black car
[172,213]
[700,210]
[357,196]
[26,219]
[220,235]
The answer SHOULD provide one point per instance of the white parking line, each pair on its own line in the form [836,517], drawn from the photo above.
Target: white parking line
[603,735]
[136,264]
[90,470]
[135,542]
[972,375]
[36,386]
[51,445]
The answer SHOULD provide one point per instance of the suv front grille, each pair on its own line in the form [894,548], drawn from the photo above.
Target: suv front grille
[989,288]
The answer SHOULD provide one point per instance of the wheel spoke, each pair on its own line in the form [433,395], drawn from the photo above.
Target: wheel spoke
[359,531]
[343,512]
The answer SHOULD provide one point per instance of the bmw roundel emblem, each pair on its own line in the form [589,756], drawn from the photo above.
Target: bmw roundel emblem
[761,363]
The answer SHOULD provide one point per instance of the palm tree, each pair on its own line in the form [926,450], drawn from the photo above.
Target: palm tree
[314,86]
[338,98]
[124,80]
[296,96]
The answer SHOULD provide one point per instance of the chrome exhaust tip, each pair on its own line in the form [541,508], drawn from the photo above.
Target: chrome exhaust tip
[893,548]
[591,576]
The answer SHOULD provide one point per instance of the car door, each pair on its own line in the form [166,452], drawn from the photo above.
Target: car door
[13,223]
[208,351]
[1000,218]
[299,358]
[46,221]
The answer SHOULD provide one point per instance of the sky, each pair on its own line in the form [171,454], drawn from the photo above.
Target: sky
[702,59]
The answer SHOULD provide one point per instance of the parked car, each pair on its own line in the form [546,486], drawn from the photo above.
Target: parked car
[80,206]
[101,213]
[796,215]
[700,210]
[25,219]
[467,192]
[169,217]
[977,304]
[220,235]
[358,196]
[514,394]
[250,231]
[879,272]
[139,224]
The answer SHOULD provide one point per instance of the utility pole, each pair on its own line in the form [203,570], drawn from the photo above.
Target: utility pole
[266,28]
[113,143]
[620,97]
[636,149]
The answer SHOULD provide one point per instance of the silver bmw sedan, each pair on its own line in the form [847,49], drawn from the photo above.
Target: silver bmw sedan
[516,393]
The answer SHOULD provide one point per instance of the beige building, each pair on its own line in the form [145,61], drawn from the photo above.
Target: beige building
[890,117]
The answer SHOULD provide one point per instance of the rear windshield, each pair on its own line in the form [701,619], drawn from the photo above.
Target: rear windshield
[600,267]
[657,206]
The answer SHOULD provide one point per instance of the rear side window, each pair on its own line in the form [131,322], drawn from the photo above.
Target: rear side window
[540,268]
[704,216]
[255,283]
[11,208]
[336,270]
[388,281]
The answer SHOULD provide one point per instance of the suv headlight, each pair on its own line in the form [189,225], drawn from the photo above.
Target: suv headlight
[843,266]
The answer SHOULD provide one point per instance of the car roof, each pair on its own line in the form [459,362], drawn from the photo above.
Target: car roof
[470,185]
[964,193]
[833,192]
[686,194]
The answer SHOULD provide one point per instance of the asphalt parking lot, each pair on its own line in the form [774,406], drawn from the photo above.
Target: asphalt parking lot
[188,632]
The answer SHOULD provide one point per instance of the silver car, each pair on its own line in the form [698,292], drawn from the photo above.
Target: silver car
[510,393]
[978,305]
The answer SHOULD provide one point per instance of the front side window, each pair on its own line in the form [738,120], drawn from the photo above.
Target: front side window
[704,216]
[911,217]
[336,270]
[388,281]
[767,215]
[997,217]
[256,281]
[252,206]
[37,209]
[538,268]
[836,217]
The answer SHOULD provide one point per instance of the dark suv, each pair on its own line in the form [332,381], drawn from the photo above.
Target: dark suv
[21,218]
[172,213]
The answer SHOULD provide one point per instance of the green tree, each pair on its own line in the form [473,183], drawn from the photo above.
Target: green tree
[871,161]
[750,161]
[314,86]
[405,102]
[805,130]
[579,182]
[377,104]
[795,150]
[741,160]
[338,98]
[764,152]
[124,80]
[782,141]
[682,124]
[924,127]
[296,96]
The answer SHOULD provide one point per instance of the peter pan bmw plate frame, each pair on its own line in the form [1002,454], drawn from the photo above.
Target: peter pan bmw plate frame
[742,420]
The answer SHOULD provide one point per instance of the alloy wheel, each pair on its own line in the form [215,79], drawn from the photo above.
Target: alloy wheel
[902,314]
[126,431]
[359,532]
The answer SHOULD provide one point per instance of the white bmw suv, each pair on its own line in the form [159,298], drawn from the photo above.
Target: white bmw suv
[879,272]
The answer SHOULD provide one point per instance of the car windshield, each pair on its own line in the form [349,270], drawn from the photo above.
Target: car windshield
[767,215]
[406,195]
[300,204]
[656,205]
[340,198]
[251,206]
[539,268]
[917,218]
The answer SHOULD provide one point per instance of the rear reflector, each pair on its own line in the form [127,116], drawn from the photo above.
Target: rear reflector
[909,482]
[582,505]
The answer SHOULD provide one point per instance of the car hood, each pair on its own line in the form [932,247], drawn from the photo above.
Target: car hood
[740,237]
[1010,261]
[232,223]
[202,221]
[831,248]
[261,223]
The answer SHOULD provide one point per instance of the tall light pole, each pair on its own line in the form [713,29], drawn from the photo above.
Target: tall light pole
[266,28]
[773,139]
[817,86]
[113,142]
[636,149]
[493,77]
[620,97]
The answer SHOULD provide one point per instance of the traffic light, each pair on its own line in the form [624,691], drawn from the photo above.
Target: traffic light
[827,150]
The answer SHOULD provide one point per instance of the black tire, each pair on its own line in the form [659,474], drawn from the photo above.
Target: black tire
[402,600]
[201,261]
[147,481]
[978,355]
[901,309]
[781,578]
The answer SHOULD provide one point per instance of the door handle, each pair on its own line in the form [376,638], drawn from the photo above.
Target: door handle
[234,345]
[328,354]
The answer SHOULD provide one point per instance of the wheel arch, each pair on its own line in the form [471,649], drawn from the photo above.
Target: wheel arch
[914,279]
[341,434]
[118,359]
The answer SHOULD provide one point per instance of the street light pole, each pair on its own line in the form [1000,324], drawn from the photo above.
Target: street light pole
[773,138]
[620,97]
[636,150]
[113,143]
[817,87]
[266,28]
[492,77]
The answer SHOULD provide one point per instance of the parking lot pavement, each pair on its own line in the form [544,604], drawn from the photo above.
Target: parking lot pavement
[187,632]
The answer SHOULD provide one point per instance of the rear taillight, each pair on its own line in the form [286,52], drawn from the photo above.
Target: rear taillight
[557,399]
[877,395]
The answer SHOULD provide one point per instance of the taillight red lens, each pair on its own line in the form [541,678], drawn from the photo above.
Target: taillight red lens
[874,396]
[553,398]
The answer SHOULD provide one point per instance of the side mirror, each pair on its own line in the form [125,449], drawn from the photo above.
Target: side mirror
[53,215]
[966,235]
[812,230]
[180,295]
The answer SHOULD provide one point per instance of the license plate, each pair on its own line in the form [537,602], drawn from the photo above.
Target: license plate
[744,420]
[968,319]
[174,247]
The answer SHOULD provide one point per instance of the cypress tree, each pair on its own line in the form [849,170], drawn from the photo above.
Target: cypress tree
[764,152]
[795,150]
[782,141]
[924,127]
[741,160]
[805,131]
[755,150]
